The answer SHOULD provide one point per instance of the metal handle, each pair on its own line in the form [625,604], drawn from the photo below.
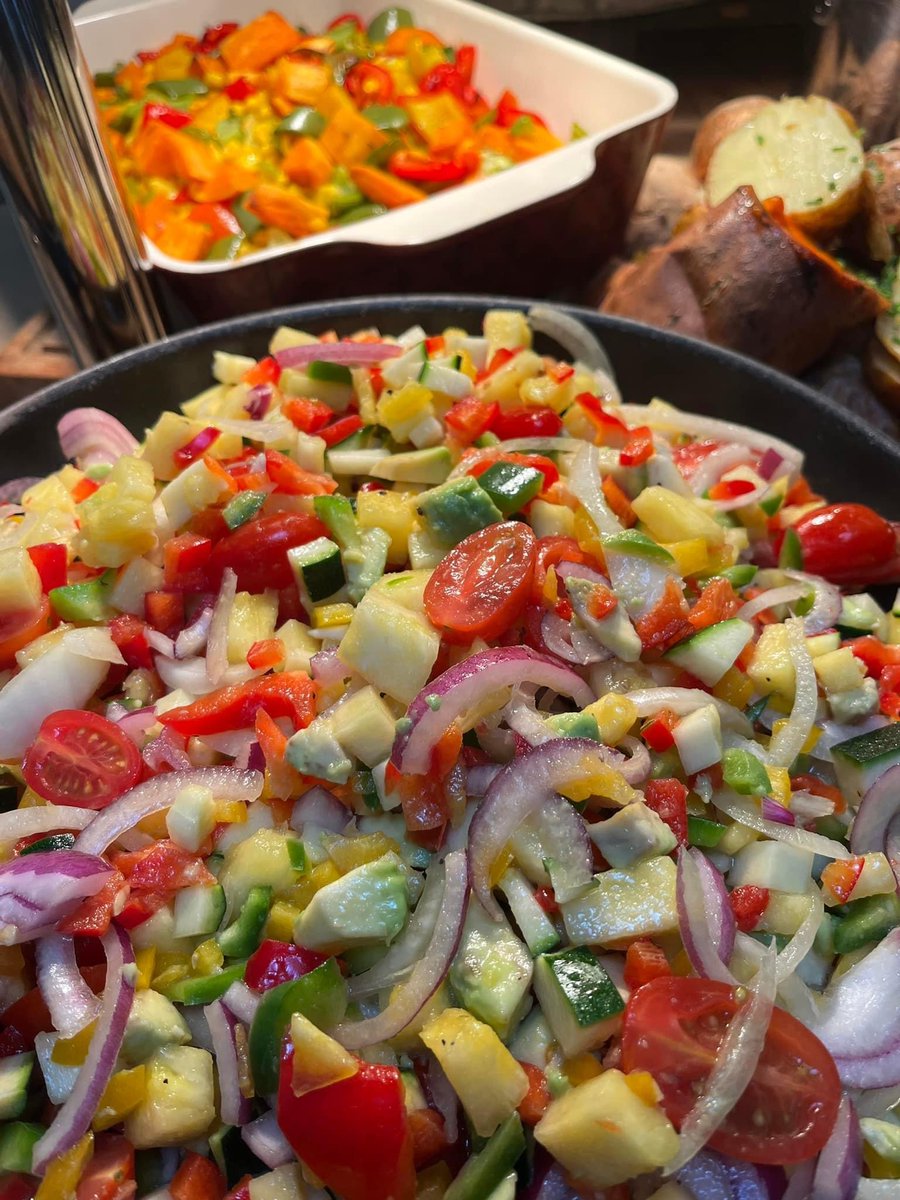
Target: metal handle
[66,198]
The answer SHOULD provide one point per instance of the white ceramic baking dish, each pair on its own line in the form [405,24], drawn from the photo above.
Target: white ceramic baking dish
[541,225]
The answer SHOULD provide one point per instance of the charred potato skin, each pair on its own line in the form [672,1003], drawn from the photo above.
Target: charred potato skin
[738,278]
[881,200]
[718,124]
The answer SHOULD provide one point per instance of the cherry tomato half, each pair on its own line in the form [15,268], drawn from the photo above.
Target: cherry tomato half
[481,587]
[847,543]
[673,1028]
[21,628]
[80,758]
[257,551]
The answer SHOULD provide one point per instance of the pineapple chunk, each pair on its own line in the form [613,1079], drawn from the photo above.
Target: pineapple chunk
[392,648]
[195,489]
[118,522]
[299,646]
[506,329]
[604,1132]
[551,520]
[230,368]
[49,495]
[20,584]
[262,859]
[772,669]
[503,385]
[485,1076]
[401,411]
[285,338]
[406,588]
[170,433]
[179,1102]
[393,512]
[673,518]
[839,670]
[252,619]
[318,1059]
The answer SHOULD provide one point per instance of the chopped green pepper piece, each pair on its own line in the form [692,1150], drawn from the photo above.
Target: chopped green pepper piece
[486,1170]
[831,827]
[242,936]
[745,774]
[17,1141]
[791,555]
[867,920]
[84,601]
[178,89]
[123,122]
[704,833]
[387,22]
[738,576]
[242,507]
[577,132]
[487,439]
[225,249]
[522,127]
[105,79]
[297,855]
[248,221]
[229,129]
[386,116]
[511,486]
[203,989]
[54,841]
[326,372]
[321,996]
[303,121]
[362,212]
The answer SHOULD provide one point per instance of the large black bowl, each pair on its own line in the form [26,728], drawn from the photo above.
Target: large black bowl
[846,459]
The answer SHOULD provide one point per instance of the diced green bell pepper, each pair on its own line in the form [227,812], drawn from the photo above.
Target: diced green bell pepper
[704,833]
[327,372]
[299,859]
[225,249]
[303,121]
[484,1171]
[738,576]
[386,116]
[247,220]
[242,936]
[745,774]
[867,920]
[17,1141]
[85,601]
[790,557]
[242,508]
[387,22]
[178,89]
[362,212]
[511,486]
[203,989]
[321,996]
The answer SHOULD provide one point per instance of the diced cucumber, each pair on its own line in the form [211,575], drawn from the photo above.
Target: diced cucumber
[709,653]
[431,465]
[445,380]
[402,369]
[337,513]
[318,569]
[199,910]
[534,925]
[580,1001]
[860,760]
[15,1072]
[366,564]
[242,936]
[486,1170]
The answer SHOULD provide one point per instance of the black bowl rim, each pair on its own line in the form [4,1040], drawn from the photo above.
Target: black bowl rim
[368,308]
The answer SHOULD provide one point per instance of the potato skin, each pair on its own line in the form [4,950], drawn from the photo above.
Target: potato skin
[882,370]
[738,278]
[881,200]
[718,123]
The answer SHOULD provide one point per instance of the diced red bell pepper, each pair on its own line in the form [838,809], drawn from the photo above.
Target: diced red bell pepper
[717,602]
[748,903]
[347,18]
[83,488]
[889,692]
[265,654]
[130,636]
[601,601]
[875,655]
[546,898]
[185,561]
[241,89]
[657,731]
[482,459]
[419,167]
[309,416]
[665,623]
[446,77]
[51,561]
[279,962]
[534,421]
[644,960]
[166,115]
[341,429]
[197,1178]
[840,878]
[465,62]
[668,799]
[215,35]
[196,447]
[560,372]
[638,448]
[267,370]
[618,502]
[537,1099]
[470,418]
[611,430]
[508,111]
[18,1187]
[218,218]
[140,908]
[730,489]
[293,480]
[291,694]
[353,1134]
[29,1014]
[165,612]
[498,359]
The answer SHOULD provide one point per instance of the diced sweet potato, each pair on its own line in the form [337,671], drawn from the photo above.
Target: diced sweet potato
[161,150]
[259,43]
[287,210]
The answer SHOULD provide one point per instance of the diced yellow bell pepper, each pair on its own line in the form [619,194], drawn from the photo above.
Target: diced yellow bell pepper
[780,781]
[330,616]
[393,512]
[300,893]
[599,780]
[734,688]
[349,853]
[581,1068]
[280,921]
[145,961]
[691,555]
[123,1093]
[207,958]
[72,1051]
[319,1060]
[441,120]
[65,1171]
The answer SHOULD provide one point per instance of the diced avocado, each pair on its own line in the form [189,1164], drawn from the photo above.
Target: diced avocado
[710,652]
[632,834]
[614,631]
[639,902]
[457,508]
[153,1021]
[392,647]
[485,1172]
[367,905]
[318,569]
[578,998]
[491,973]
[431,465]
[364,726]
[242,936]
[855,704]
[263,860]
[159,931]
[179,1102]
[603,1132]
[533,1041]
[860,760]
[867,920]
[316,750]
[199,910]
[632,541]
[17,1142]
[860,613]
[745,774]
[15,1072]
[576,725]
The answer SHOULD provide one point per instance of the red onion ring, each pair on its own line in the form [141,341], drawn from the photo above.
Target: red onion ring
[769,463]
[574,646]
[566,847]
[167,749]
[321,808]
[460,687]
[152,796]
[892,848]
[705,917]
[879,806]
[74,1118]
[259,401]
[93,437]
[25,822]
[69,1000]
[429,972]
[480,777]
[193,637]
[234,1106]
[773,811]
[326,667]
[839,1165]
[38,890]
[521,789]
[12,492]
[637,766]
[788,594]
[346,354]
[136,723]
[710,1176]
[264,1138]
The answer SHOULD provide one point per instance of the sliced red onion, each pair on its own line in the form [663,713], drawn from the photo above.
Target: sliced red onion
[192,638]
[39,890]
[769,463]
[264,1138]
[800,1183]
[707,1177]
[705,917]
[136,722]
[242,1001]
[788,594]
[521,789]
[461,687]
[806,806]
[44,818]
[682,701]
[259,401]
[736,1060]
[326,667]
[217,642]
[839,1164]
[569,644]
[745,813]
[408,1000]
[714,466]
[12,492]
[152,796]
[410,946]
[166,750]
[160,643]
[93,437]
[587,487]
[672,420]
[234,1106]
[69,1000]
[74,1118]
[879,806]
[570,570]
[637,767]
[321,808]
[773,811]
[345,354]
[787,743]
[480,777]
[443,1096]
[826,610]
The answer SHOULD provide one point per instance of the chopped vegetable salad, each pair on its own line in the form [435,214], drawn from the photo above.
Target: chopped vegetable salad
[428,775]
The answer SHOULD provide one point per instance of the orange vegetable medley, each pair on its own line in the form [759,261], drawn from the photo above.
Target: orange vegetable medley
[252,136]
